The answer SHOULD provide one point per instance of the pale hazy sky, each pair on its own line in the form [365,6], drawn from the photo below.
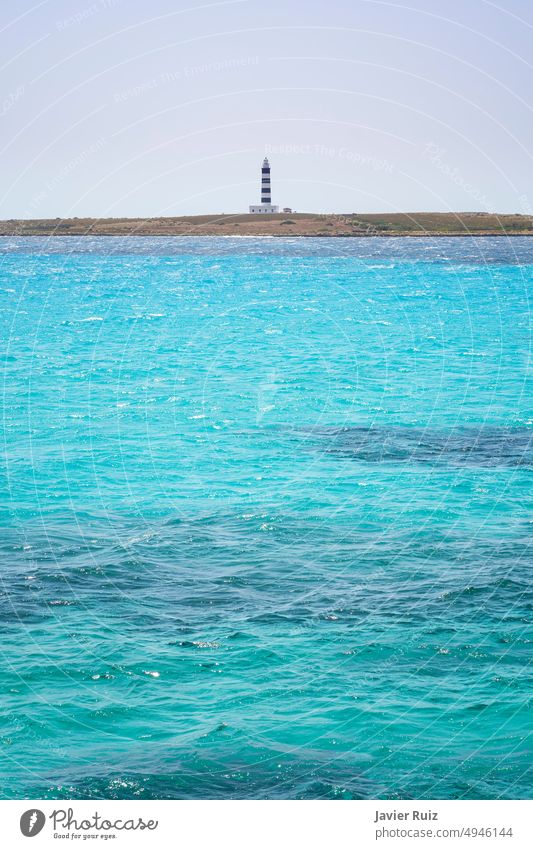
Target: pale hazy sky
[123,107]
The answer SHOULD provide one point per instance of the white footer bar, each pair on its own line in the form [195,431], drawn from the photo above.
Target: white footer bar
[268,824]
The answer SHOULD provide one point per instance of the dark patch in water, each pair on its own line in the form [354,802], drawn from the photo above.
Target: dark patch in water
[487,447]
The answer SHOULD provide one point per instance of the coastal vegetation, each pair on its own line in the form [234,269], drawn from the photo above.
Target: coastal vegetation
[300,224]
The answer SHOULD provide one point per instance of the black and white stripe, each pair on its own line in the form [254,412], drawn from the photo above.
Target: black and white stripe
[266,196]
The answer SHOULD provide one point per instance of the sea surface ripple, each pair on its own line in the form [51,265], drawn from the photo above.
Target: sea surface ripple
[266,518]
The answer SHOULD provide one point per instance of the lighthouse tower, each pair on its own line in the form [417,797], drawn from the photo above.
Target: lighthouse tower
[266,197]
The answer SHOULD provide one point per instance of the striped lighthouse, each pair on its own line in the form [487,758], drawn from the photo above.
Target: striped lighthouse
[266,194]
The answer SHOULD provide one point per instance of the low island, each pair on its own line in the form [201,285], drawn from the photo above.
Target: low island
[282,224]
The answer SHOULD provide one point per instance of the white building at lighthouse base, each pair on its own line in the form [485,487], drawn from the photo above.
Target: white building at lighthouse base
[263,207]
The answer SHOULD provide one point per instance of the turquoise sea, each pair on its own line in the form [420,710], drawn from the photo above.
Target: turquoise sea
[266,518]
